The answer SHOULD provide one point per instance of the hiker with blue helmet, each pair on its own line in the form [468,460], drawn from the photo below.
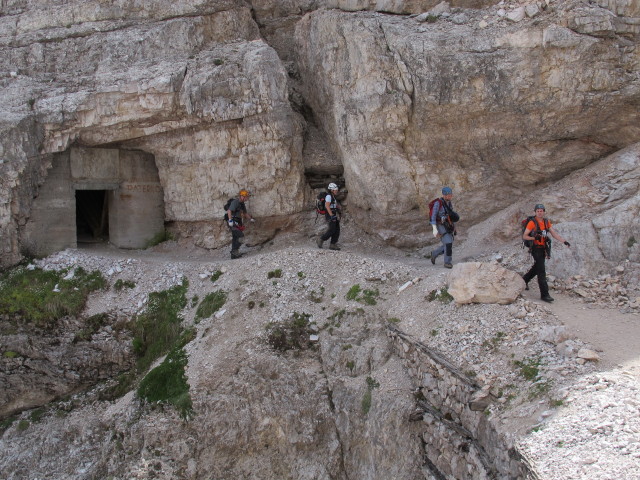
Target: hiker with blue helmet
[442,220]
[537,231]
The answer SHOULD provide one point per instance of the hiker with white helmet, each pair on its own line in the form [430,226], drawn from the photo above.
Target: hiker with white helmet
[537,232]
[442,219]
[332,213]
[236,212]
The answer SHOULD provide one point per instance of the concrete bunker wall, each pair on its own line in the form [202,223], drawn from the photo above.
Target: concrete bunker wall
[134,199]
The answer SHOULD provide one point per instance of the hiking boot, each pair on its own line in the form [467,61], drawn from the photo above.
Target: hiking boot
[526,284]
[334,246]
[448,265]
[319,242]
[433,259]
[235,254]
[547,298]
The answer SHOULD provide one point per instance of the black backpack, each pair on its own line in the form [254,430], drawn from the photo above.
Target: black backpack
[532,218]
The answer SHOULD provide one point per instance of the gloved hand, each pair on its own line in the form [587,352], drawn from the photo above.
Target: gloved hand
[231,223]
[435,230]
[567,243]
[537,237]
[334,218]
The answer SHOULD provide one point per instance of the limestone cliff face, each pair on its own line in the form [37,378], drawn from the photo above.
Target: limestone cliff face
[494,111]
[228,94]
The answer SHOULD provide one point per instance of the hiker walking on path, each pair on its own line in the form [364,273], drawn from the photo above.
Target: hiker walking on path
[332,215]
[442,218]
[537,232]
[236,212]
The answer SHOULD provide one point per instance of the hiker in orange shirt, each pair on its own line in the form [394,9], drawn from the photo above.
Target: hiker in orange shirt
[538,230]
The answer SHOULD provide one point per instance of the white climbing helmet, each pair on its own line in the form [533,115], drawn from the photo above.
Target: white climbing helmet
[332,186]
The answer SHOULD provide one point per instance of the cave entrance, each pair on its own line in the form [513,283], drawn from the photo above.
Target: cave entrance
[96,195]
[92,216]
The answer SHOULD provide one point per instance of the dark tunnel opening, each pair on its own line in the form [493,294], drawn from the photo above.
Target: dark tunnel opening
[92,216]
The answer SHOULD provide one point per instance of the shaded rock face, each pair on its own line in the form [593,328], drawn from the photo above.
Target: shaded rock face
[49,365]
[280,97]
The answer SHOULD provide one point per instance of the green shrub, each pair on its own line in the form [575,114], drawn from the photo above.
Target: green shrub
[275,273]
[368,297]
[9,354]
[30,294]
[441,294]
[211,303]
[120,284]
[216,275]
[529,368]
[292,334]
[353,292]
[632,241]
[23,425]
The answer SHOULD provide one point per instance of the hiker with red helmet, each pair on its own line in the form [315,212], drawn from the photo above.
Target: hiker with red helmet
[236,213]
[537,232]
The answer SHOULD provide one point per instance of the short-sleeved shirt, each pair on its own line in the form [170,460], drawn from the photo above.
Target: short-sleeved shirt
[544,230]
[237,207]
[333,203]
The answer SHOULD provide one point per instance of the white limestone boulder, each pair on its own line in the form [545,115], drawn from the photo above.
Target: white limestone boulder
[478,282]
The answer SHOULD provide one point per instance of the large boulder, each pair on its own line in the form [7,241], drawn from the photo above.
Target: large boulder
[478,282]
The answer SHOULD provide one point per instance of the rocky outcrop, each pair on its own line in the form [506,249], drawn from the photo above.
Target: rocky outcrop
[277,97]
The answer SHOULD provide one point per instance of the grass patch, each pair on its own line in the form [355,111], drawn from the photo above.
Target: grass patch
[368,297]
[158,328]
[366,399]
[293,334]
[440,294]
[493,343]
[529,368]
[216,275]
[10,354]
[158,238]
[120,284]
[23,425]
[277,273]
[167,383]
[316,297]
[393,320]
[632,241]
[42,297]
[211,303]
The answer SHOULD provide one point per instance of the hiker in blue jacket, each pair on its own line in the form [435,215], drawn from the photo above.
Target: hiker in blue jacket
[442,220]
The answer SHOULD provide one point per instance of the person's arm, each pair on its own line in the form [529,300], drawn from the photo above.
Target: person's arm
[527,234]
[558,237]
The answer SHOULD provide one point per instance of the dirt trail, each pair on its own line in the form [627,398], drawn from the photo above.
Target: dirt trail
[615,335]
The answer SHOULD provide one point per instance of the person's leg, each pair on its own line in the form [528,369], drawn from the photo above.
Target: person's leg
[541,272]
[336,233]
[447,241]
[330,231]
[236,235]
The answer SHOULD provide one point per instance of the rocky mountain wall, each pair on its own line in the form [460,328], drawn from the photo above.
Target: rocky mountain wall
[495,101]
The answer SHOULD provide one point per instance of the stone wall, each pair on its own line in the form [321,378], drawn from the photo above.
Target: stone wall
[459,442]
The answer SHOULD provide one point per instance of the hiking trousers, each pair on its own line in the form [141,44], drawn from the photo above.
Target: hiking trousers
[333,232]
[447,245]
[236,235]
[538,269]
